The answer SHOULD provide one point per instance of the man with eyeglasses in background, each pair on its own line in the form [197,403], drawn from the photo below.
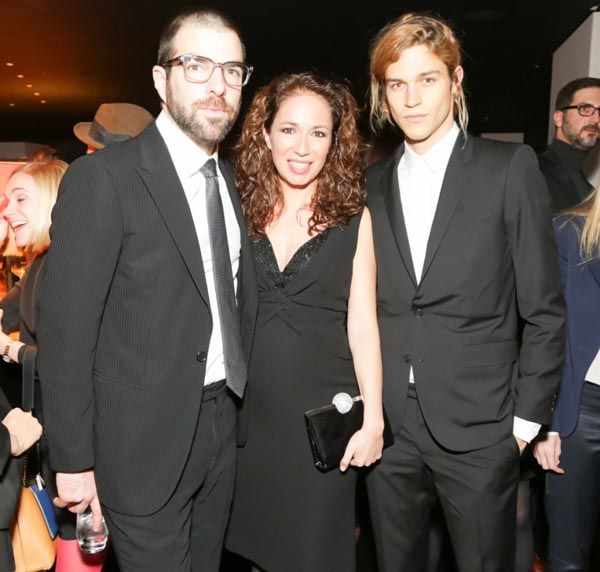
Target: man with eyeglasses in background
[146,315]
[577,121]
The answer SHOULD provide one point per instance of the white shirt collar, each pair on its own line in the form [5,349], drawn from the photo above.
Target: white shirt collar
[436,158]
[187,157]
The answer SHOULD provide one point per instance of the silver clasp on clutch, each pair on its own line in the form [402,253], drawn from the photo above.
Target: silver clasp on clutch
[342,402]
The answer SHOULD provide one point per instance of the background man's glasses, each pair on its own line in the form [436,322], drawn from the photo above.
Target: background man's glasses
[198,69]
[584,109]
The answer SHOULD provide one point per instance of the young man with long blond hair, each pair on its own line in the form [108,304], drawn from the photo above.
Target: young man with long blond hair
[464,250]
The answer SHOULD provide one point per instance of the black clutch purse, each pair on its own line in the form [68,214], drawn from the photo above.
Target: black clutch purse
[329,432]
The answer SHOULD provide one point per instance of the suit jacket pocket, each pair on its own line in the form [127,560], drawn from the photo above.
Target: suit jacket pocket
[490,353]
[104,378]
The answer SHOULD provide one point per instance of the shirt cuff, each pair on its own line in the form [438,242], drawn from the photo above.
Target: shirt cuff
[525,430]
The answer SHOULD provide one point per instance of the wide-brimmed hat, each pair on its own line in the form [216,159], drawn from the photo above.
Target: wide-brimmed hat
[112,123]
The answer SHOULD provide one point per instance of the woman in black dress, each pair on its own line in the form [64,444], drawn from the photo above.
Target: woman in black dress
[299,171]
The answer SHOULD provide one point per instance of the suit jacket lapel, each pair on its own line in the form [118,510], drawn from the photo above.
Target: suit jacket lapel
[227,173]
[247,291]
[247,263]
[456,178]
[391,197]
[161,180]
[594,267]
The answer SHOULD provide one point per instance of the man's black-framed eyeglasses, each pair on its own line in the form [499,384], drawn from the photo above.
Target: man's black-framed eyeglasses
[584,109]
[198,69]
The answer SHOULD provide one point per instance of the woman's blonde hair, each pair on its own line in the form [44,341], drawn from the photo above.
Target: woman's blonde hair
[47,176]
[405,32]
[589,210]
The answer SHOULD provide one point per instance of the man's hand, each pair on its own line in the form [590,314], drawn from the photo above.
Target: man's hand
[77,491]
[24,430]
[521,444]
[547,451]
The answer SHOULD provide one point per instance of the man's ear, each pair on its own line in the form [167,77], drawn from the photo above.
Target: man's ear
[457,77]
[159,75]
[557,117]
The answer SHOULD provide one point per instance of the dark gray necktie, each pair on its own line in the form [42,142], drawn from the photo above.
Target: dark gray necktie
[235,364]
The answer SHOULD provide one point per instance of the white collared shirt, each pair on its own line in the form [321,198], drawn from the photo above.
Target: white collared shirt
[188,158]
[593,373]
[420,179]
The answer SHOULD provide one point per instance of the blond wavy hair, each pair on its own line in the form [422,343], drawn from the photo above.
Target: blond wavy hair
[47,176]
[589,239]
[403,33]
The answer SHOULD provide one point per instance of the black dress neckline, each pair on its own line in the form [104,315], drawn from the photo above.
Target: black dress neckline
[265,255]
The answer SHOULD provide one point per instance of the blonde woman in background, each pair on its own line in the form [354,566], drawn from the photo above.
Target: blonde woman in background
[30,195]
[570,452]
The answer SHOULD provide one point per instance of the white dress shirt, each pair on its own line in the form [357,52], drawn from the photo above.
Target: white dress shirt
[420,178]
[188,158]
[593,373]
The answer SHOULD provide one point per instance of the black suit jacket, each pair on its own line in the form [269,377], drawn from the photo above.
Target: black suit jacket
[562,166]
[125,323]
[491,257]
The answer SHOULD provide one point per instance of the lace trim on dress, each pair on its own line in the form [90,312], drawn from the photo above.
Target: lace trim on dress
[265,255]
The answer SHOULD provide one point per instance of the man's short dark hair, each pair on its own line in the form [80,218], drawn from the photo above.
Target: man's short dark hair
[567,91]
[206,17]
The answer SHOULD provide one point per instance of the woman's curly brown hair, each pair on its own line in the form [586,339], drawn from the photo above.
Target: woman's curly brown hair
[340,191]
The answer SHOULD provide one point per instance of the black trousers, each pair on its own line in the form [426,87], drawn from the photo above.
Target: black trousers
[186,535]
[477,491]
[573,499]
[7,564]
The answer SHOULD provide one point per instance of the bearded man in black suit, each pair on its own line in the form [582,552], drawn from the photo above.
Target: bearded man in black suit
[146,315]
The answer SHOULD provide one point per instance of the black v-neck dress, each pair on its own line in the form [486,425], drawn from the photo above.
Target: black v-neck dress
[287,516]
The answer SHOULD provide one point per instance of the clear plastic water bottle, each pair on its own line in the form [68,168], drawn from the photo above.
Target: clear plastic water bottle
[90,541]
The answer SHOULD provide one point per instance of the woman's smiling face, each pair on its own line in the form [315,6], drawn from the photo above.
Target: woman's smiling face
[22,208]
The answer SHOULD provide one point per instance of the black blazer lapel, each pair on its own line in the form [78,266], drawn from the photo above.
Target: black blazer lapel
[456,178]
[391,196]
[161,180]
[594,267]
[227,173]
[247,294]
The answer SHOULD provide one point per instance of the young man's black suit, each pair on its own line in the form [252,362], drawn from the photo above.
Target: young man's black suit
[490,260]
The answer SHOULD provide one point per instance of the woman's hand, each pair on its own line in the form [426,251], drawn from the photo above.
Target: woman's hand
[363,449]
[24,430]
[547,451]
[4,339]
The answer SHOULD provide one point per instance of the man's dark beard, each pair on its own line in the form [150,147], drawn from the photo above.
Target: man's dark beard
[198,128]
[583,140]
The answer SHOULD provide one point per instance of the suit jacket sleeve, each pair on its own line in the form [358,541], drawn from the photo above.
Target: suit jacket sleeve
[539,297]
[86,238]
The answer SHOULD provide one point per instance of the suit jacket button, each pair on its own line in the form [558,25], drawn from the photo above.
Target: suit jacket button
[419,313]
[407,358]
[201,357]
